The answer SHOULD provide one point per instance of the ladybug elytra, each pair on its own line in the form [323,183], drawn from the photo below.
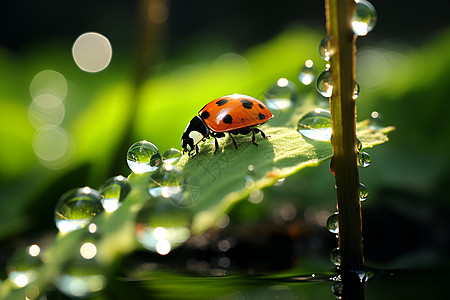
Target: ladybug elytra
[233,114]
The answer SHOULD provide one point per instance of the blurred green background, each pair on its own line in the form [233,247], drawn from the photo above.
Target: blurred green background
[171,57]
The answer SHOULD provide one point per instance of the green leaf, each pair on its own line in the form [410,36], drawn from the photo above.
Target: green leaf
[231,175]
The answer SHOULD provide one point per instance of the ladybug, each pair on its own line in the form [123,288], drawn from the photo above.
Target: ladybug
[232,114]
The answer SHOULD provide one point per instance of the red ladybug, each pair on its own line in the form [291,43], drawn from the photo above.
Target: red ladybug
[235,114]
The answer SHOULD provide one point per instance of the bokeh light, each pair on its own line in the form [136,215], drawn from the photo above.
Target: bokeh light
[92,52]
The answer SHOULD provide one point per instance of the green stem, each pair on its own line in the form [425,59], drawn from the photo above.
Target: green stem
[343,118]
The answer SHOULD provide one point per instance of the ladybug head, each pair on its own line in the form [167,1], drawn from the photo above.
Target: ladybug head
[193,134]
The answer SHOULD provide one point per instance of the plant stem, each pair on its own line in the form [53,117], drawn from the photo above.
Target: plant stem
[343,123]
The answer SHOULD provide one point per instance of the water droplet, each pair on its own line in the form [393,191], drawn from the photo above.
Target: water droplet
[364,159]
[364,18]
[166,182]
[336,289]
[23,266]
[333,223]
[358,145]
[335,256]
[76,208]
[114,191]
[143,157]
[316,125]
[172,156]
[281,95]
[324,85]
[356,91]
[363,192]
[307,73]
[324,51]
[161,226]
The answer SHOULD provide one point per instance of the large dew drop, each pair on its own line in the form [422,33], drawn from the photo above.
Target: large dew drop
[76,208]
[162,226]
[114,191]
[82,276]
[364,18]
[143,157]
[23,266]
[324,85]
[281,95]
[316,125]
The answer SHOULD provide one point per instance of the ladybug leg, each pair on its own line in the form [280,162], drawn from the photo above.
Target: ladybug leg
[253,136]
[234,141]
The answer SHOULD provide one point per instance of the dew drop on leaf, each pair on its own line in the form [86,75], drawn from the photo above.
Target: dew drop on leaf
[316,125]
[281,95]
[161,226]
[82,276]
[23,265]
[364,18]
[76,208]
[323,84]
[143,157]
[113,192]
[172,156]
[307,73]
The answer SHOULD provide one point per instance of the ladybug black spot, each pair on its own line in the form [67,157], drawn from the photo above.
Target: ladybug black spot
[227,119]
[261,106]
[261,116]
[205,115]
[247,104]
[221,102]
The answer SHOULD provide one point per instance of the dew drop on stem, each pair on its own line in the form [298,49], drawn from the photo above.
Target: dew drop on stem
[363,192]
[333,223]
[364,18]
[364,159]
[324,85]
[335,256]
